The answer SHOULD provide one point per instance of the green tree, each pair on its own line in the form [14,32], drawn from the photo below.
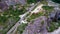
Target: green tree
[57,1]
[31,1]
[47,9]
[22,27]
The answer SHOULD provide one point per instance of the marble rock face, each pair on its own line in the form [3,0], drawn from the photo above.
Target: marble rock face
[35,27]
[14,2]
[3,6]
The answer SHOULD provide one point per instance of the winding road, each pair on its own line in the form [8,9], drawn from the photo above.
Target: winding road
[14,28]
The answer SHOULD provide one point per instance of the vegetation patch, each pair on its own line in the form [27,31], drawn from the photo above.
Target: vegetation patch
[56,1]
[10,17]
[48,9]
[31,1]
[33,16]
[22,27]
[53,26]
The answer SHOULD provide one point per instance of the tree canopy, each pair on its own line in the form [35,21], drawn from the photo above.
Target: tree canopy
[31,1]
[56,1]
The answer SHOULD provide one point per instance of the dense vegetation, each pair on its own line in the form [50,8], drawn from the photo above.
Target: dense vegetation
[48,9]
[22,27]
[11,13]
[34,1]
[56,1]
[33,16]
[31,1]
[10,17]
[53,24]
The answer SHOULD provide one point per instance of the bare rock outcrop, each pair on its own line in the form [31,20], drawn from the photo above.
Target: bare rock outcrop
[37,26]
